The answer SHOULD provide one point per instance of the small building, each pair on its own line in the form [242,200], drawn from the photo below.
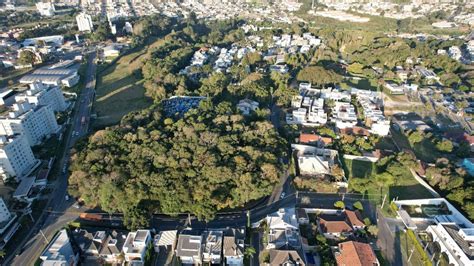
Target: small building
[247,106]
[355,254]
[286,257]
[165,241]
[60,251]
[111,51]
[212,247]
[233,247]
[135,246]
[189,249]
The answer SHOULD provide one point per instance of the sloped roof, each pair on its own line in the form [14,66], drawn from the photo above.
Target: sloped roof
[281,257]
[334,224]
[353,253]
[354,218]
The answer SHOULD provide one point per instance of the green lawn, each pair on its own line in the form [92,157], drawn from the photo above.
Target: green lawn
[357,168]
[425,150]
[119,91]
[406,246]
[363,83]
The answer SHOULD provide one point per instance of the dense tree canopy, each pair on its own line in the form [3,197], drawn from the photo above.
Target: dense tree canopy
[210,159]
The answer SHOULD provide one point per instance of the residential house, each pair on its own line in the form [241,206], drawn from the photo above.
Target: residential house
[283,229]
[233,247]
[352,253]
[189,249]
[165,240]
[315,139]
[135,246]
[247,106]
[314,161]
[212,249]
[340,224]
[111,250]
[286,258]
[60,251]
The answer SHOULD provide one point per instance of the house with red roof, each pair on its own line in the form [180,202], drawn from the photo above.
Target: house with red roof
[352,253]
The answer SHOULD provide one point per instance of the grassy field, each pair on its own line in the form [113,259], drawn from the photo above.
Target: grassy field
[118,90]
[361,169]
[425,150]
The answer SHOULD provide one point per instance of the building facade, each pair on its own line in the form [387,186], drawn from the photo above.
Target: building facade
[35,123]
[16,158]
[84,22]
[40,94]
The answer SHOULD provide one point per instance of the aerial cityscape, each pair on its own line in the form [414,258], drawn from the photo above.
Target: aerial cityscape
[237,132]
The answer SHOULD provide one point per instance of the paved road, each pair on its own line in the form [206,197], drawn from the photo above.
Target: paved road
[60,210]
[388,239]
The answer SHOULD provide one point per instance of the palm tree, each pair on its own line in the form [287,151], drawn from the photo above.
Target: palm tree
[249,252]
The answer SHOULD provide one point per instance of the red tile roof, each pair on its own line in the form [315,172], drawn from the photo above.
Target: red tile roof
[334,226]
[360,131]
[353,253]
[308,138]
[354,218]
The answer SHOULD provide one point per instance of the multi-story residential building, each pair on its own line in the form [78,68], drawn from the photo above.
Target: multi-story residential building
[35,123]
[6,217]
[314,161]
[40,94]
[84,22]
[46,8]
[60,251]
[189,249]
[135,246]
[16,158]
[212,247]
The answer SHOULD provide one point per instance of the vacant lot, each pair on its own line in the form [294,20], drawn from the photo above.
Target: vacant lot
[119,91]
[358,168]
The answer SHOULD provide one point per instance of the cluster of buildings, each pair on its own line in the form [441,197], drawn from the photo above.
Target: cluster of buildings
[280,11]
[116,247]
[371,103]
[443,224]
[410,9]
[28,119]
[285,242]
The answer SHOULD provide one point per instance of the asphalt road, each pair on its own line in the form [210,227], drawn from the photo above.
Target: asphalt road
[59,209]
[388,240]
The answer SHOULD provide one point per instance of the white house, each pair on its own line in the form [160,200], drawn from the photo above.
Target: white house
[189,249]
[6,217]
[60,251]
[283,229]
[246,106]
[135,246]
[16,158]
[165,240]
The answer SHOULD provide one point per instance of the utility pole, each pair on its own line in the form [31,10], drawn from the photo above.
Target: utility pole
[248,218]
[189,219]
[45,239]
[383,202]
[411,254]
[312,4]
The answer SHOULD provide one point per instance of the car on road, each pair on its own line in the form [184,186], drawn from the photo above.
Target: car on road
[76,205]
[66,197]
[283,194]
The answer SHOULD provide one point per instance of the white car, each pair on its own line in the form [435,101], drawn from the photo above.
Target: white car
[66,197]
[283,194]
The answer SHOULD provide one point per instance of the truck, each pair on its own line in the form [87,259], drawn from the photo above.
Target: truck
[91,217]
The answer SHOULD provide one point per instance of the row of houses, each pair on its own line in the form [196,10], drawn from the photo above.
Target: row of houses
[91,246]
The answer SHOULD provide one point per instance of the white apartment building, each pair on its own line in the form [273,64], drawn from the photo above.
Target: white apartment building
[189,249]
[45,9]
[374,117]
[35,123]
[135,246]
[84,22]
[6,217]
[344,115]
[16,158]
[40,94]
